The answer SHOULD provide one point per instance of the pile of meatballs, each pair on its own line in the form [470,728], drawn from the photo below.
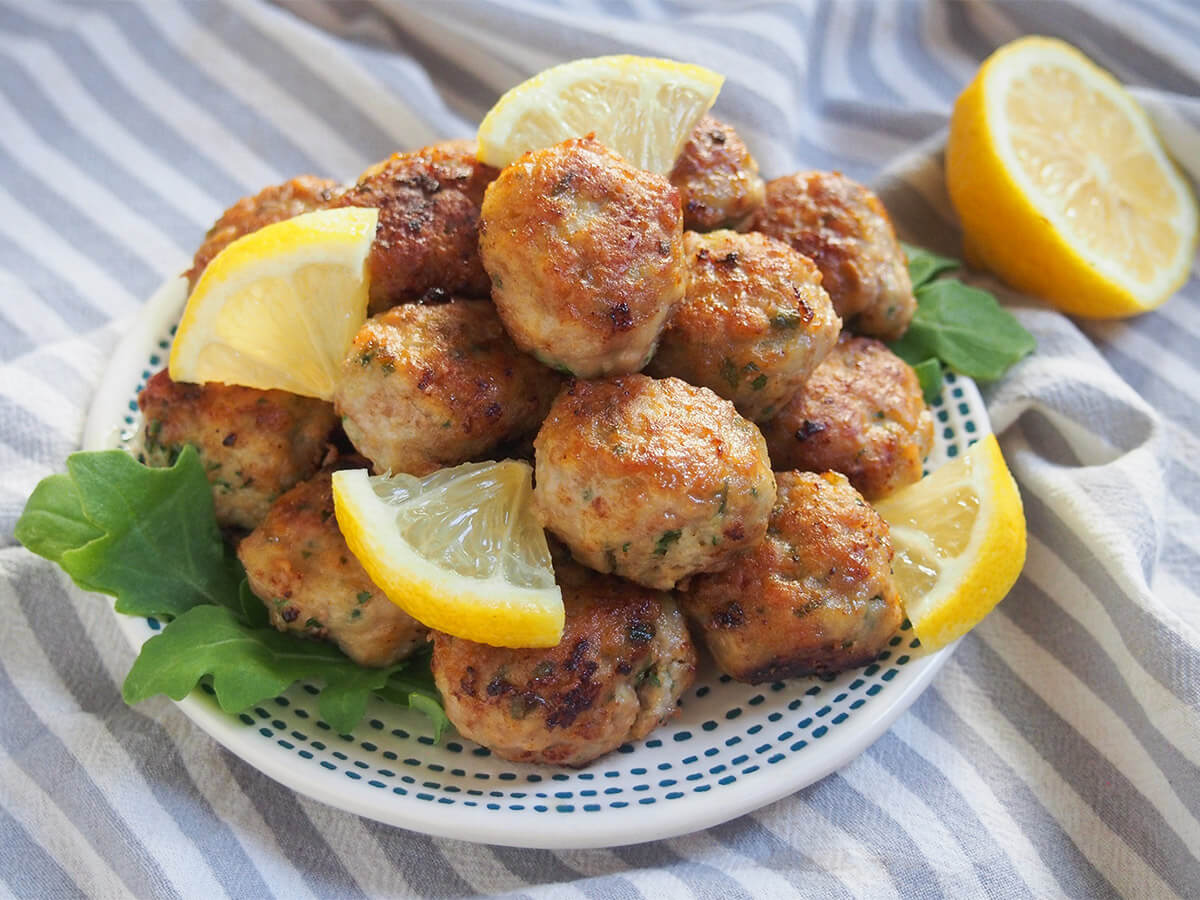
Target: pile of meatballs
[692,362]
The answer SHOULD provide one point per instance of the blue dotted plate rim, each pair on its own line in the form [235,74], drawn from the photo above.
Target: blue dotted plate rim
[732,749]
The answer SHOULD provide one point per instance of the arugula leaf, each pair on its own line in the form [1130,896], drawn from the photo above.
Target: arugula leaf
[929,373]
[249,665]
[146,536]
[149,537]
[960,326]
[925,265]
[968,330]
[414,687]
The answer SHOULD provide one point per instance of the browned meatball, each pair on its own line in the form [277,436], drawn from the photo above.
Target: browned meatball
[586,256]
[428,233]
[299,565]
[846,231]
[718,180]
[652,480]
[815,596]
[270,205]
[754,323]
[429,386]
[254,444]
[624,661]
[862,414]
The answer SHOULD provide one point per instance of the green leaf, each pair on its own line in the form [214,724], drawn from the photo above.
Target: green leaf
[249,665]
[929,373]
[925,265]
[968,330]
[414,687]
[53,522]
[146,536]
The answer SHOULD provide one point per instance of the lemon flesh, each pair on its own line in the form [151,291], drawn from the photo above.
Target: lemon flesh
[459,550]
[959,541]
[641,107]
[279,307]
[1062,186]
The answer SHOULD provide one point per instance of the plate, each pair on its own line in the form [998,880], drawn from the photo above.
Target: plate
[731,749]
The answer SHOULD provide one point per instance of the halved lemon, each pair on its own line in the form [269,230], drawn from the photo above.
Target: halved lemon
[959,540]
[641,107]
[459,550]
[1062,186]
[279,307]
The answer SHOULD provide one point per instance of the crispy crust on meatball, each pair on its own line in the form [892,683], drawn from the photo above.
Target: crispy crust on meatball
[428,233]
[299,565]
[718,180]
[652,480]
[586,256]
[254,444]
[270,205]
[815,596]
[845,230]
[753,325]
[862,414]
[429,386]
[624,661]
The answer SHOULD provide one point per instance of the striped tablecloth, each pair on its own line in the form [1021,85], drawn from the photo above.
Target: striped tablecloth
[1058,753]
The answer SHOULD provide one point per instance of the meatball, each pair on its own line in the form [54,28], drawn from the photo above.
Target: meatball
[429,386]
[816,596]
[428,233]
[270,205]
[624,661]
[846,231]
[753,325]
[299,565]
[718,180]
[254,444]
[862,414]
[586,257]
[652,480]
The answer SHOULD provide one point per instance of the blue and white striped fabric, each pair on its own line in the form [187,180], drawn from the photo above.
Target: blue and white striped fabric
[1058,753]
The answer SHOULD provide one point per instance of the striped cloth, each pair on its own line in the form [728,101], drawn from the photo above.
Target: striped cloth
[1056,754]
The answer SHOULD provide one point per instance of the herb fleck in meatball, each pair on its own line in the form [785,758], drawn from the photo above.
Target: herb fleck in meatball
[862,414]
[270,205]
[753,325]
[430,386]
[652,480]
[624,661]
[718,179]
[428,233]
[816,595]
[299,565]
[254,444]
[845,230]
[586,256]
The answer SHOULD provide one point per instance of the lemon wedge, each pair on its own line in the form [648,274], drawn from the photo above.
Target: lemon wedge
[640,107]
[1062,186]
[959,541]
[459,550]
[279,307]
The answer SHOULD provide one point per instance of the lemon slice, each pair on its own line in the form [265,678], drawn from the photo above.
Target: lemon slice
[1062,186]
[279,307]
[459,550]
[959,539]
[641,107]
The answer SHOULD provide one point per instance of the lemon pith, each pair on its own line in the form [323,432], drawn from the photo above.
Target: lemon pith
[277,308]
[458,550]
[959,539]
[1062,186]
[641,107]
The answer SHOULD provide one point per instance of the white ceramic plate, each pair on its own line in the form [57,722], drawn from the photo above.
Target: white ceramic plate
[731,749]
